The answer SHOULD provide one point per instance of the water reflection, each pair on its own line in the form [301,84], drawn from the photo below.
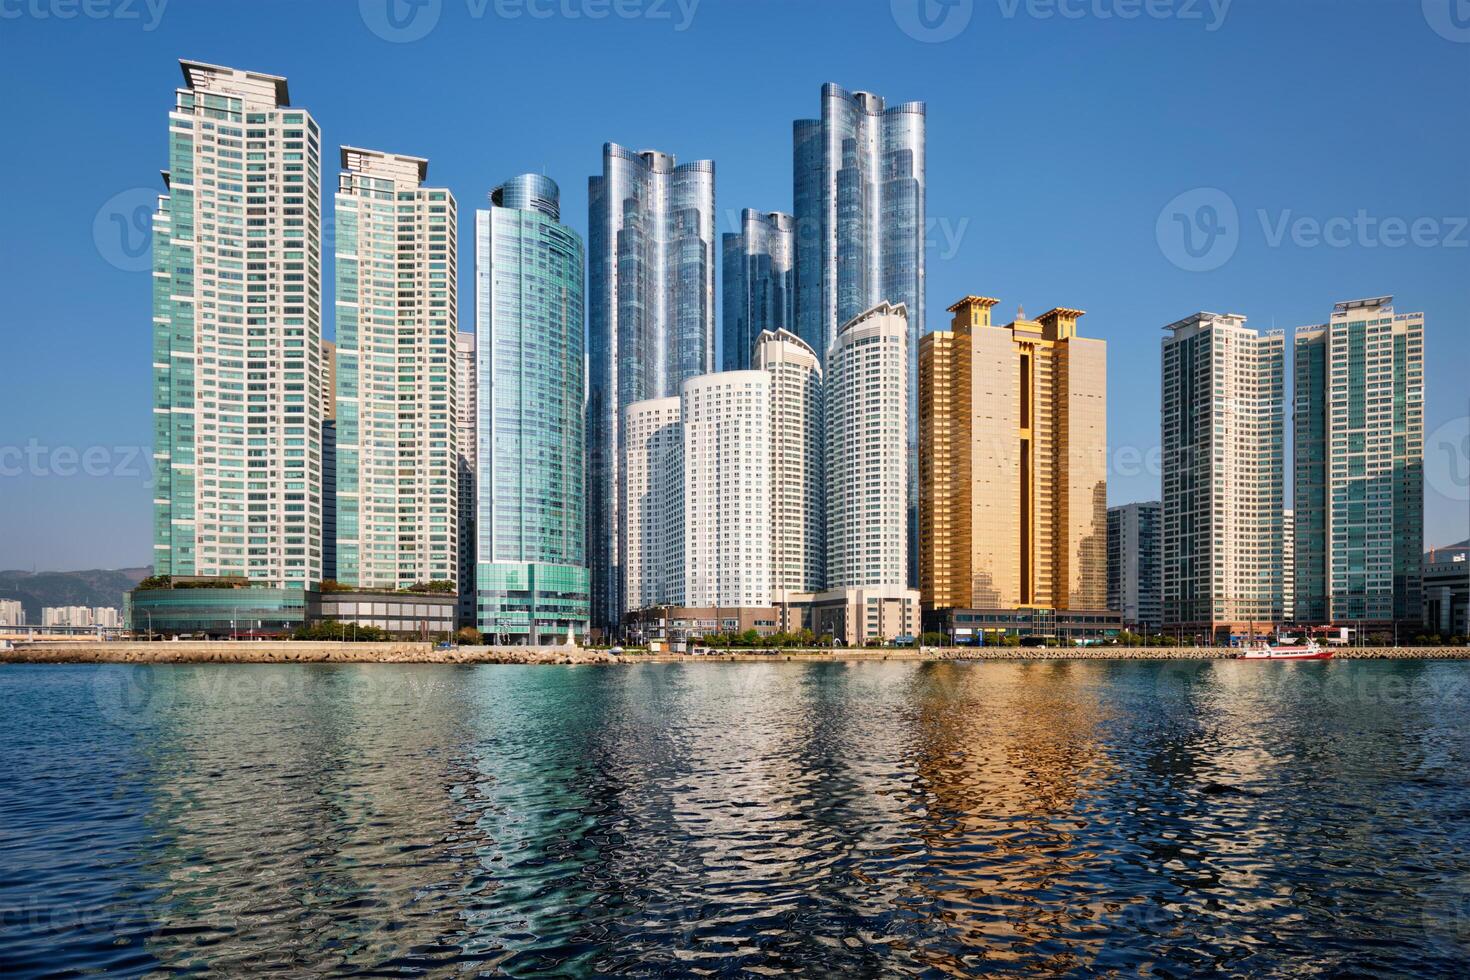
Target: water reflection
[1053,817]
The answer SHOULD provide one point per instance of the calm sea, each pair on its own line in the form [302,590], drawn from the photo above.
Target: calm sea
[816,819]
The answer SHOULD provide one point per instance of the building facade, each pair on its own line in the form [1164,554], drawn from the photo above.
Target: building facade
[798,497]
[759,283]
[650,323]
[397,320]
[1223,424]
[1288,565]
[1447,590]
[653,504]
[1135,587]
[237,359]
[1359,474]
[12,613]
[1013,498]
[859,204]
[531,574]
[466,407]
[867,404]
[107,617]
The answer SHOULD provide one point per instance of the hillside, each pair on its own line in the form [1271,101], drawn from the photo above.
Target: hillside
[93,587]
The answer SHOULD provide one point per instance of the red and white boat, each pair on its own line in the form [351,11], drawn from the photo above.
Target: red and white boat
[1287,649]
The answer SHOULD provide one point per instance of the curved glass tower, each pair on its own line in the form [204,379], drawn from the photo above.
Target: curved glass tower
[651,321]
[759,272]
[858,195]
[531,577]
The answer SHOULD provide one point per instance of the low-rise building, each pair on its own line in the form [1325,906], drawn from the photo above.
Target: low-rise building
[216,608]
[967,627]
[412,615]
[1447,590]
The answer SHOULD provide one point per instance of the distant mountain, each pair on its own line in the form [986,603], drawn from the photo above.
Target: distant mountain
[94,587]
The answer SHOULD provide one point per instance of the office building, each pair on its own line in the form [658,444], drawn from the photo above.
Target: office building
[1013,502]
[759,283]
[397,320]
[531,556]
[859,199]
[1223,405]
[650,323]
[466,407]
[798,500]
[1447,590]
[1359,475]
[237,359]
[1135,588]
[867,403]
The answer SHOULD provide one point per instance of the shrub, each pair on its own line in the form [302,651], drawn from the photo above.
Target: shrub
[932,639]
[469,636]
[437,585]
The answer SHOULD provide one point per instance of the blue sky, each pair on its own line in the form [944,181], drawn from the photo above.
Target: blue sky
[1062,134]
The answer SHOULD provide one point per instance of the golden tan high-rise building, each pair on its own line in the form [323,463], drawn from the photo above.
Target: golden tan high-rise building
[1012,463]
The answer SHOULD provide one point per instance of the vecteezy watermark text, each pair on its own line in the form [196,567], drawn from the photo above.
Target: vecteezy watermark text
[148,12]
[67,462]
[402,21]
[1200,230]
[937,21]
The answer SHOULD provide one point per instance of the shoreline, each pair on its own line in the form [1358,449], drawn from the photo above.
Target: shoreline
[278,652]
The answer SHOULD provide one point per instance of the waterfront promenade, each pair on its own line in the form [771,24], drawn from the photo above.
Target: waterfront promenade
[244,652]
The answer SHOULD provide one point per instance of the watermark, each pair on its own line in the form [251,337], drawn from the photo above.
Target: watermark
[943,235]
[34,459]
[932,21]
[1318,683]
[149,13]
[1446,916]
[1450,19]
[404,21]
[1210,13]
[134,696]
[1447,459]
[1201,229]
[122,229]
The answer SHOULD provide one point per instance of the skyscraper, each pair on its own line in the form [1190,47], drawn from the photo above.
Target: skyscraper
[1135,589]
[1223,404]
[866,417]
[798,498]
[1288,565]
[650,322]
[466,407]
[531,580]
[1013,502]
[397,324]
[759,283]
[727,489]
[237,334]
[1359,474]
[858,193]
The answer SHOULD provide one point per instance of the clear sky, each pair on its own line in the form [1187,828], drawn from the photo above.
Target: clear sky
[1060,134]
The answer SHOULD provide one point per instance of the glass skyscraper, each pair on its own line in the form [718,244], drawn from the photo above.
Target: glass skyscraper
[759,283]
[1359,452]
[531,575]
[238,371]
[858,196]
[650,326]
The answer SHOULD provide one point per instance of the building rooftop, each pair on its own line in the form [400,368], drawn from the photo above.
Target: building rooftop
[252,86]
[380,163]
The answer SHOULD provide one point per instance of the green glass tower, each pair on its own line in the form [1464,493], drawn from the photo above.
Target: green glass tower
[531,581]
[1359,447]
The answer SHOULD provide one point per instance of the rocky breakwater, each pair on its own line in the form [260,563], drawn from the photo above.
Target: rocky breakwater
[272,652]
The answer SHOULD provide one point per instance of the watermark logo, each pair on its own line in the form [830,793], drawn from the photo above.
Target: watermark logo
[1446,915]
[132,696]
[67,462]
[932,21]
[1447,459]
[148,12]
[123,229]
[1450,19]
[400,21]
[1199,230]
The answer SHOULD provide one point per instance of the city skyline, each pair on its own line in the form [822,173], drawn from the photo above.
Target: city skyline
[41,492]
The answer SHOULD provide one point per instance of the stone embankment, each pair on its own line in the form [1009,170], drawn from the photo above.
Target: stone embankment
[253,652]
